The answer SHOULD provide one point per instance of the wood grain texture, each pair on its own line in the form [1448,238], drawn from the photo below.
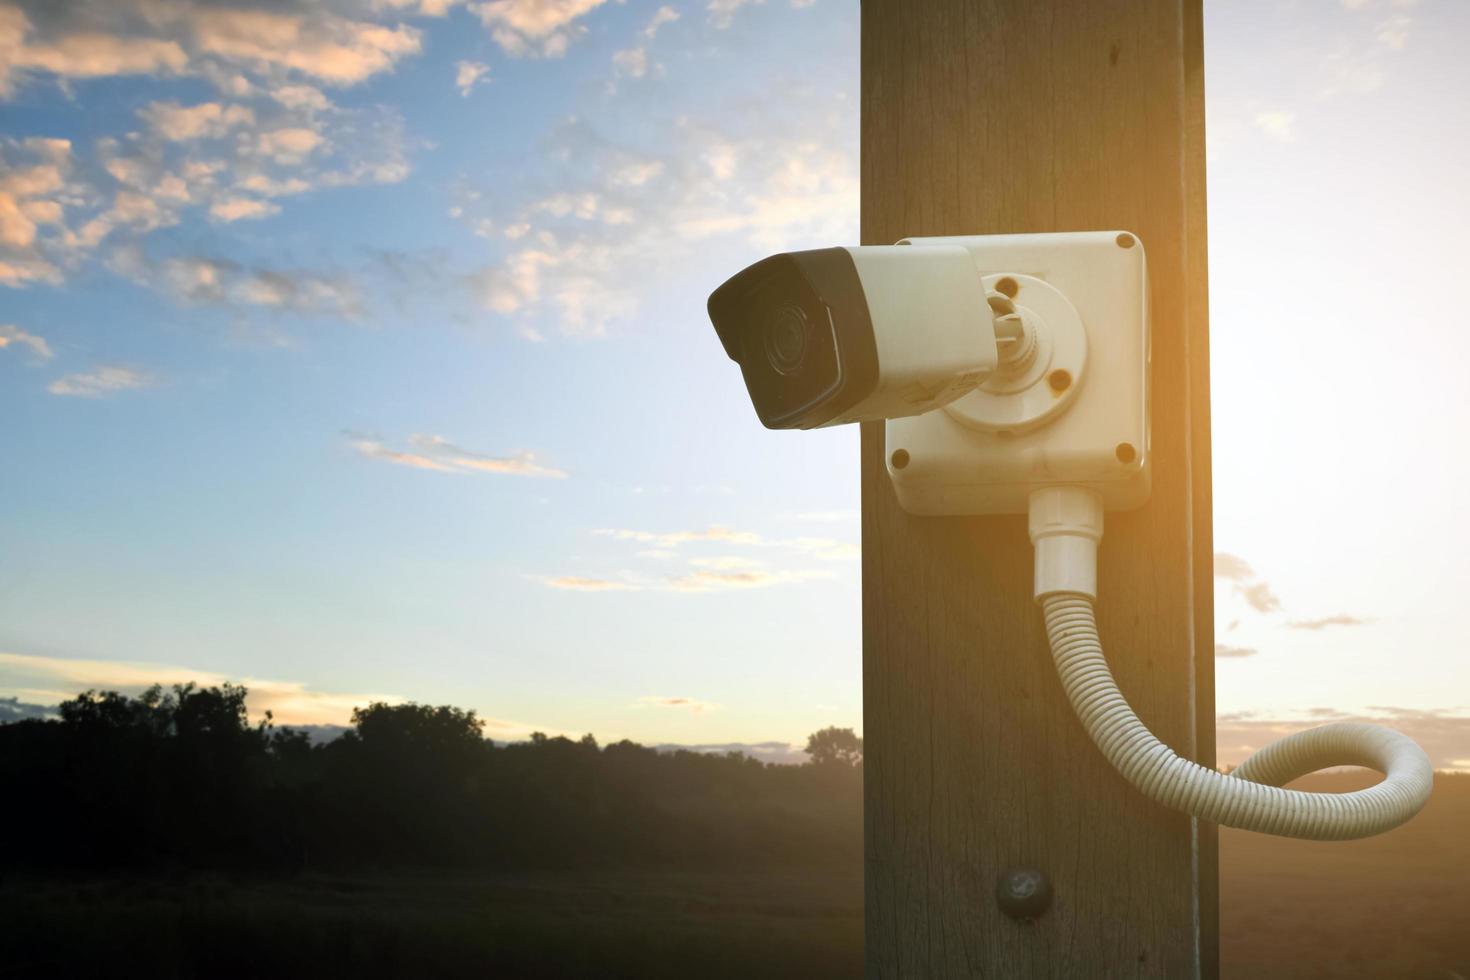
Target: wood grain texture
[1029,116]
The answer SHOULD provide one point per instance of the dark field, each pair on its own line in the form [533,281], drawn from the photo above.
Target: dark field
[1393,907]
[626,924]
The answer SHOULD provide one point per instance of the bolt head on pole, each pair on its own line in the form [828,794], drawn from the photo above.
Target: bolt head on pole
[1023,893]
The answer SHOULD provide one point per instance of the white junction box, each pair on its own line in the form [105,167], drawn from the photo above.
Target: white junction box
[1071,404]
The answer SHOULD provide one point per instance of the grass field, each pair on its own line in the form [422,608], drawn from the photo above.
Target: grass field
[622,924]
[1392,907]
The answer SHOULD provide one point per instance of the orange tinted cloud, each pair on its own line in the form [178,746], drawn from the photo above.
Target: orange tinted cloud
[1444,734]
[429,452]
[692,705]
[1249,586]
[14,336]
[333,49]
[107,379]
[52,679]
[578,583]
[290,702]
[80,54]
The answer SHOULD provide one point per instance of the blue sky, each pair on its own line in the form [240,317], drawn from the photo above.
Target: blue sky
[358,349]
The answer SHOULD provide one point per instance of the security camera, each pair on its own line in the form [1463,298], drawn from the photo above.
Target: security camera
[838,335]
[1001,363]
[1013,372]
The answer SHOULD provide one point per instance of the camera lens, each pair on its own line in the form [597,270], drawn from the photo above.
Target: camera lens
[785,339]
[797,323]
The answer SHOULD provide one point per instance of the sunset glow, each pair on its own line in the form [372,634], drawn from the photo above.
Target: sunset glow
[358,352]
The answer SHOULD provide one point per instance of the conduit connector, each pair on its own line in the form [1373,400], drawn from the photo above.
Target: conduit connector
[1066,525]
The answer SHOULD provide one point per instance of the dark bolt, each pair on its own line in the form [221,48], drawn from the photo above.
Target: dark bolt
[1023,893]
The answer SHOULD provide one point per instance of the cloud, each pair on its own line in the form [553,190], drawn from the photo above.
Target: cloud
[430,452]
[178,123]
[289,702]
[825,549]
[205,280]
[1394,32]
[234,161]
[1257,594]
[376,450]
[692,705]
[672,539]
[661,16]
[79,53]
[578,583]
[534,27]
[722,12]
[1359,64]
[35,194]
[101,381]
[300,97]
[1341,619]
[711,573]
[1224,651]
[582,245]
[14,709]
[270,133]
[468,74]
[701,580]
[633,62]
[1443,733]
[268,40]
[237,208]
[15,336]
[288,145]
[316,43]
[519,464]
[637,173]
[1232,568]
[428,8]
[17,230]
[721,581]
[1277,125]
[722,574]
[1260,597]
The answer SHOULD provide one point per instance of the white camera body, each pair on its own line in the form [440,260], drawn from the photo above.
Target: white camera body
[837,335]
[933,328]
[1002,364]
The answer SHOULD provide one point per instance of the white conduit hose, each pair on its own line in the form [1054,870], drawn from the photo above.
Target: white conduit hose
[1066,526]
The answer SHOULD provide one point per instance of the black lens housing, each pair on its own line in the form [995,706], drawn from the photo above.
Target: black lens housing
[837,367]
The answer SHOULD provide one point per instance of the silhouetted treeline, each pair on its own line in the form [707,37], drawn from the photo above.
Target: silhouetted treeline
[181,779]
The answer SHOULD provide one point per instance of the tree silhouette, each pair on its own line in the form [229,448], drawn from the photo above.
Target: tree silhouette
[835,747]
[180,778]
[442,728]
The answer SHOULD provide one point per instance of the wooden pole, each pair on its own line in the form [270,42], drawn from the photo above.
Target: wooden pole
[995,116]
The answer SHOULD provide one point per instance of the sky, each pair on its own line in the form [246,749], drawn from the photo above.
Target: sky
[357,350]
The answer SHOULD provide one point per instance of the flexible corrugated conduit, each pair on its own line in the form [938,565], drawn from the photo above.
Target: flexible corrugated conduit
[1066,525]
